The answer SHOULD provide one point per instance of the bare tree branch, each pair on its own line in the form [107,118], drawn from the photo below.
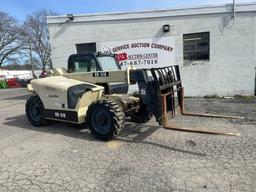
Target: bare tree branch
[36,30]
[9,37]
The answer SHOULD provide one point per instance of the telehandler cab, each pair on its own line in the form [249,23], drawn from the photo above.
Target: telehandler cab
[94,90]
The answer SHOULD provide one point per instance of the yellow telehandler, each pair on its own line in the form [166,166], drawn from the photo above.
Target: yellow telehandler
[94,89]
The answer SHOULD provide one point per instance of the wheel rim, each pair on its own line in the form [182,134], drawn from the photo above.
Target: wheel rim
[101,121]
[35,112]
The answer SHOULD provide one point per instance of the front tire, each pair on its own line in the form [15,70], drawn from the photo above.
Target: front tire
[35,111]
[105,119]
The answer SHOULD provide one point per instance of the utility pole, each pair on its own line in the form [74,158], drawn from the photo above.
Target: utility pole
[31,60]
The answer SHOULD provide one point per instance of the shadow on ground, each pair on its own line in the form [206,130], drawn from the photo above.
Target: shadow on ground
[20,97]
[140,131]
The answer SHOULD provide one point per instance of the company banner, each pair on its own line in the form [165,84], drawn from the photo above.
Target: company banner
[142,53]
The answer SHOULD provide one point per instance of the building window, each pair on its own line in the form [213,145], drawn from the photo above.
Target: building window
[85,47]
[196,47]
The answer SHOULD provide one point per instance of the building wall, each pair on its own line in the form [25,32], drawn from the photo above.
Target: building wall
[230,71]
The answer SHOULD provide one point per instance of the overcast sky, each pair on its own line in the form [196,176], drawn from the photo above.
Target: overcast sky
[20,8]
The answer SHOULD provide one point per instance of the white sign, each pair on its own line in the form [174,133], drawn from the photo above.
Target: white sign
[20,74]
[142,53]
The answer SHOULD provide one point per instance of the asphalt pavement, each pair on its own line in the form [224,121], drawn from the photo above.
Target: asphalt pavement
[145,157]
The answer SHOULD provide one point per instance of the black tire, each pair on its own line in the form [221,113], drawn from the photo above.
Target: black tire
[142,116]
[105,119]
[35,111]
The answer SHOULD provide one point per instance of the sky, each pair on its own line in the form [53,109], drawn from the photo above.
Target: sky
[20,8]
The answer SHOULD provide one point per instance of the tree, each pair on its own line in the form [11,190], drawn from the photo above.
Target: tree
[37,34]
[9,37]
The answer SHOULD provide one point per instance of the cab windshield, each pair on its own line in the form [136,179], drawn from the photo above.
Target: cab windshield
[108,63]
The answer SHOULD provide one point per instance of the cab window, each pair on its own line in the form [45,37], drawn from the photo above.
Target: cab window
[83,64]
[108,63]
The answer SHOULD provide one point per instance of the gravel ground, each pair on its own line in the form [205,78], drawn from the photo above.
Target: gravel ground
[64,157]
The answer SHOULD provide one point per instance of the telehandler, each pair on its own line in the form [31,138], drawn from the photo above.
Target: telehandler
[94,90]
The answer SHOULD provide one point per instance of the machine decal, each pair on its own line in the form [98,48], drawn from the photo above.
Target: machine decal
[100,74]
[143,91]
[61,115]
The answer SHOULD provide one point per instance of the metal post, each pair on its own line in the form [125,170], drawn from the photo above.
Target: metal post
[31,59]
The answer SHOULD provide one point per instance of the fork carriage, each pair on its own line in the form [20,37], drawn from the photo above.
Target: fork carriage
[164,86]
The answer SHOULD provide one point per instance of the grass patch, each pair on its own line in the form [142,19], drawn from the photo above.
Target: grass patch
[212,96]
[244,96]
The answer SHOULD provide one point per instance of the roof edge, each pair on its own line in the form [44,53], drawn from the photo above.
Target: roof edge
[199,10]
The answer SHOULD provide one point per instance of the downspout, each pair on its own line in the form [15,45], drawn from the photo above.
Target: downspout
[254,61]
[234,9]
[255,83]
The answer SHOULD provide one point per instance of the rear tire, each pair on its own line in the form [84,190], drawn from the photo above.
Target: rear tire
[35,111]
[105,119]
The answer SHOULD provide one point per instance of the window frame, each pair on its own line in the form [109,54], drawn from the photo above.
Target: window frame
[195,60]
